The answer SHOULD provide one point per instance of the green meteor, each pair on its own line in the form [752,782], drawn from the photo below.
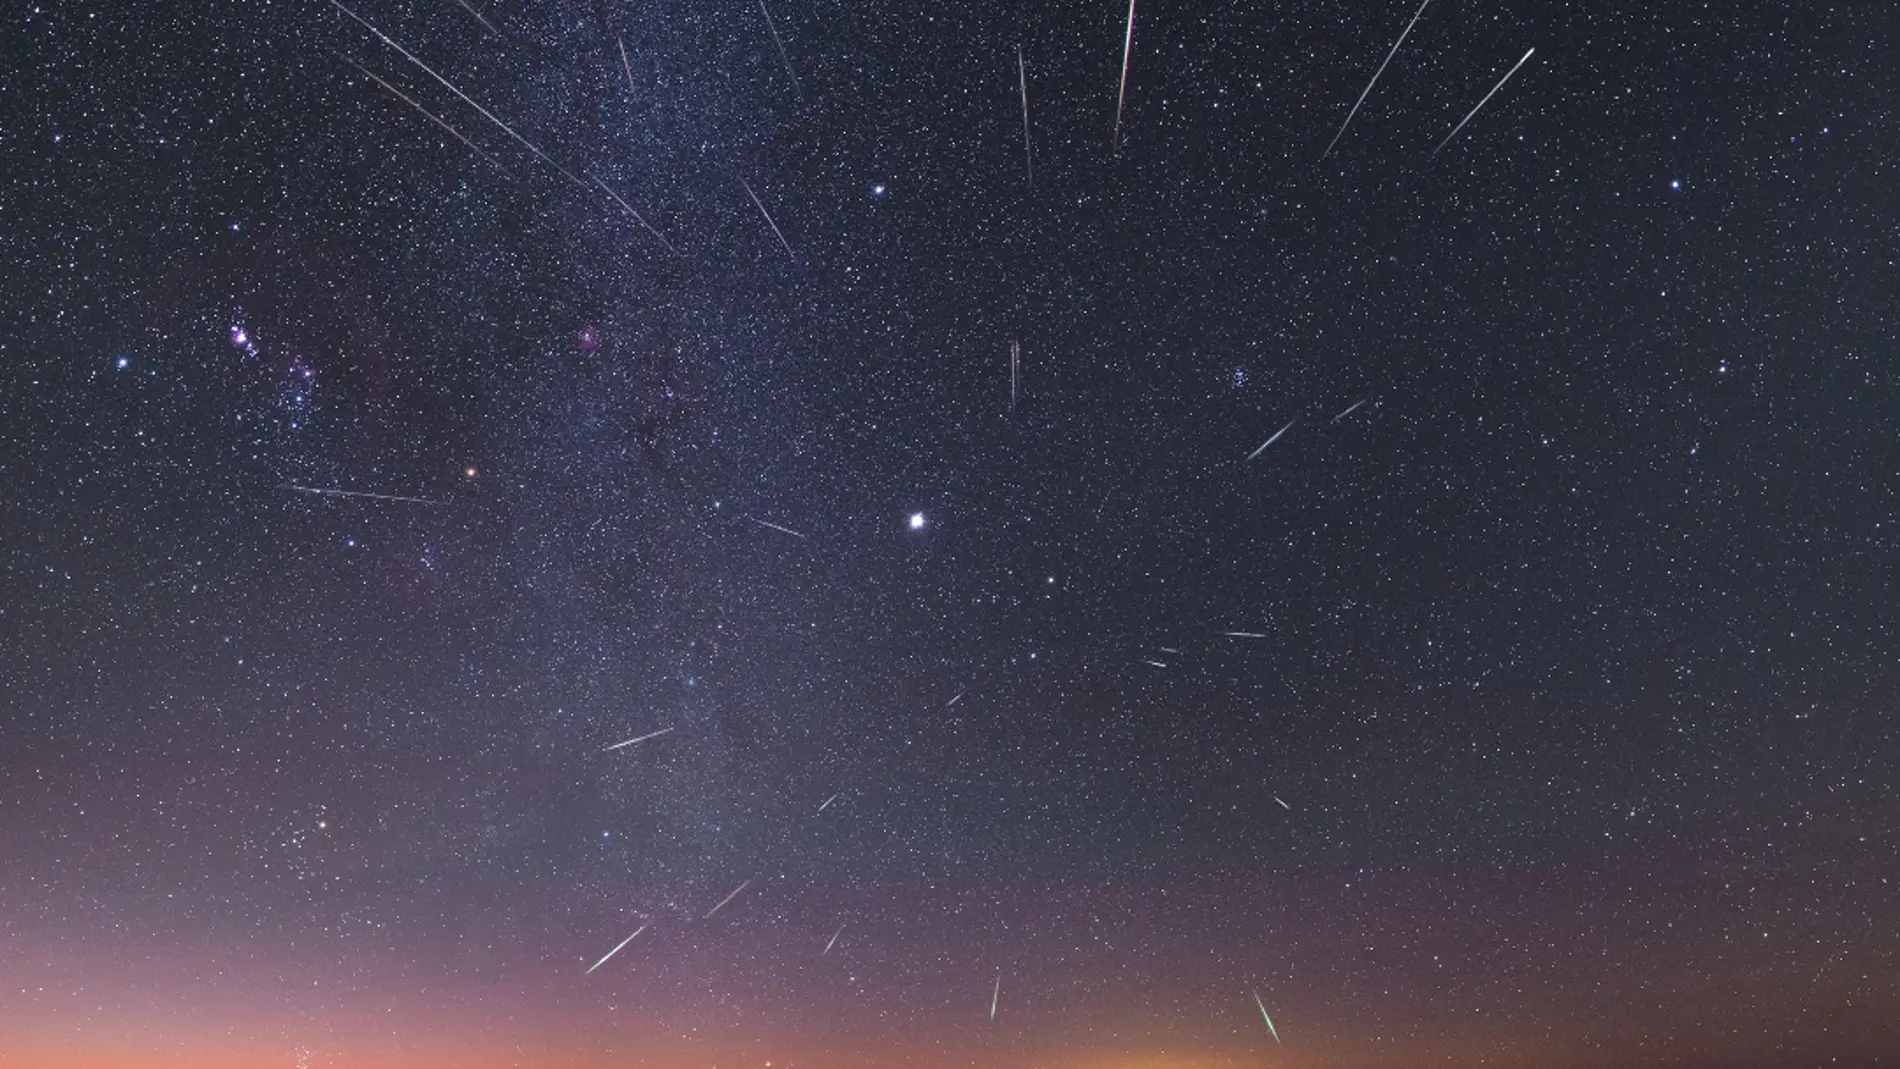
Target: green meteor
[1264,1017]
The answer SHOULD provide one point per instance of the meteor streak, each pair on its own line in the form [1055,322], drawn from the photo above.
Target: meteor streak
[1128,48]
[637,217]
[1022,83]
[828,802]
[1263,1016]
[781,50]
[364,493]
[1270,441]
[774,526]
[404,97]
[1375,79]
[728,898]
[768,221]
[834,939]
[994,992]
[1349,411]
[611,953]
[643,738]
[450,86]
[1481,104]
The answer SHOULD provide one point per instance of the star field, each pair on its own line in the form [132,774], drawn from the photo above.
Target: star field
[718,535]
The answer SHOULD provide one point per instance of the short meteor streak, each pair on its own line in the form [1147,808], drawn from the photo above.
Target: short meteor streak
[611,953]
[1375,79]
[450,86]
[1481,104]
[834,939]
[426,113]
[956,699]
[728,898]
[643,738]
[1264,1017]
[1022,83]
[363,493]
[1270,441]
[994,992]
[1283,804]
[768,221]
[1349,411]
[770,25]
[1242,634]
[1157,664]
[1015,369]
[637,217]
[1128,48]
[478,18]
[774,526]
[828,802]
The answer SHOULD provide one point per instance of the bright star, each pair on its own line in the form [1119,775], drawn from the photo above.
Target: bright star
[124,362]
[877,190]
[916,521]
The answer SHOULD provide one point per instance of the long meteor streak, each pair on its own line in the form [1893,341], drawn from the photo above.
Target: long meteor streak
[611,953]
[363,493]
[994,992]
[1242,634]
[1263,1016]
[770,25]
[828,802]
[728,898]
[643,738]
[1270,441]
[1375,79]
[834,939]
[426,113]
[450,86]
[1349,411]
[1481,104]
[1128,48]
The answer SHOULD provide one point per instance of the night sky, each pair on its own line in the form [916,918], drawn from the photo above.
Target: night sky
[746,386]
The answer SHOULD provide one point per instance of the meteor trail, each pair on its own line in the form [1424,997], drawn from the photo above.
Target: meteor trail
[774,526]
[657,236]
[478,17]
[956,699]
[1481,103]
[1015,364]
[450,86]
[1375,78]
[828,802]
[404,97]
[1349,411]
[363,493]
[994,992]
[628,67]
[781,50]
[1283,805]
[728,898]
[768,220]
[615,950]
[1022,82]
[1128,47]
[1243,634]
[834,939]
[643,738]
[1270,441]
[1263,1015]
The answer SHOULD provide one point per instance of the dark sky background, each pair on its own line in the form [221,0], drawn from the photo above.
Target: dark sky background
[1527,702]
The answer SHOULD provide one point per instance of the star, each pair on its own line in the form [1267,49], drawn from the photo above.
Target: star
[916,521]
